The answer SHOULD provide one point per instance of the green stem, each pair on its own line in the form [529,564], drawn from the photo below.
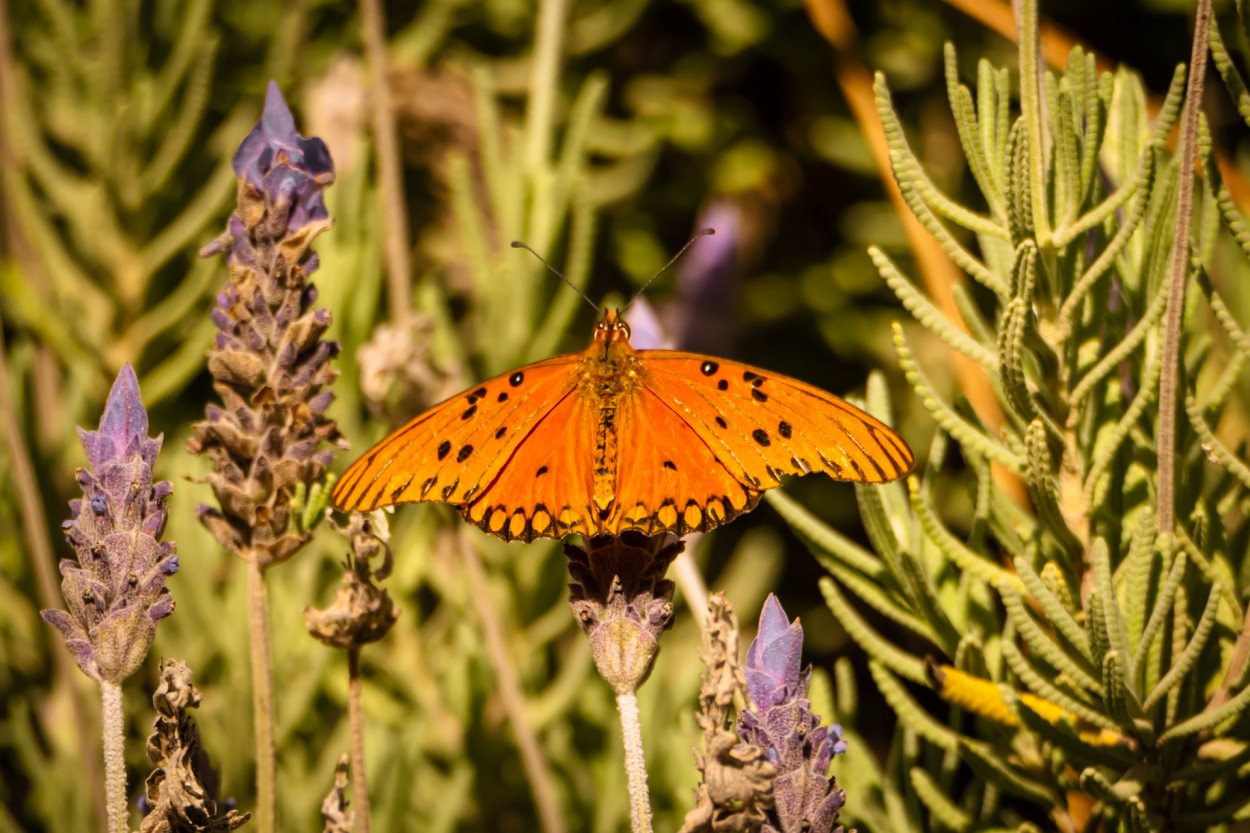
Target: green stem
[635,764]
[1031,107]
[542,93]
[355,718]
[1166,512]
[390,171]
[114,755]
[262,695]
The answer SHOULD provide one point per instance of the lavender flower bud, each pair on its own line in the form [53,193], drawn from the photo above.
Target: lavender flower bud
[780,721]
[116,591]
[622,600]
[268,360]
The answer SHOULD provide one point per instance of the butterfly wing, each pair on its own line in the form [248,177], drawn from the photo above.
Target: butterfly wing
[736,424]
[458,447]
[545,489]
[668,478]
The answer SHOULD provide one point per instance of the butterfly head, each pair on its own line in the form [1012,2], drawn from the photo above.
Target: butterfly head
[611,329]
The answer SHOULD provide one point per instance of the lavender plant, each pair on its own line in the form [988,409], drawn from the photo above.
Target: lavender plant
[623,602]
[115,590]
[269,364]
[1087,641]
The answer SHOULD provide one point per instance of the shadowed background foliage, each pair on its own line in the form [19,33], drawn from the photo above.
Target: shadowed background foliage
[654,119]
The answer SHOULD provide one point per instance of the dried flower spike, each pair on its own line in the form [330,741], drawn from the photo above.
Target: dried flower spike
[269,362]
[780,721]
[182,787]
[116,591]
[736,792]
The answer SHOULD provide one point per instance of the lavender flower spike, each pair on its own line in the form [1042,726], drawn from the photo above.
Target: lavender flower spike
[269,362]
[780,721]
[116,591]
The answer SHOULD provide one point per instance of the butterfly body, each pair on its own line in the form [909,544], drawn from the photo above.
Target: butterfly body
[613,439]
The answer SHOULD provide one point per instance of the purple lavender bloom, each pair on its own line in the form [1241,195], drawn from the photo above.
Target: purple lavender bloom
[780,721]
[290,170]
[116,591]
[269,361]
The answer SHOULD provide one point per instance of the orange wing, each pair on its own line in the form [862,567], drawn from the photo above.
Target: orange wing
[705,436]
[544,490]
[455,449]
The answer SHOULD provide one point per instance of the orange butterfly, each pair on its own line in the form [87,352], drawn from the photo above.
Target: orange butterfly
[613,439]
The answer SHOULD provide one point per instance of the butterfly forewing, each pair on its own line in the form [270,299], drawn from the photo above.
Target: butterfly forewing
[458,447]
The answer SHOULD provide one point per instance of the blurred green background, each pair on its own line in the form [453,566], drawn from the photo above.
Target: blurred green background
[118,122]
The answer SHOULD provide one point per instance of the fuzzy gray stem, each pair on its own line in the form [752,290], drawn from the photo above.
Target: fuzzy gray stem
[262,696]
[355,717]
[536,772]
[390,171]
[114,755]
[1166,512]
[635,764]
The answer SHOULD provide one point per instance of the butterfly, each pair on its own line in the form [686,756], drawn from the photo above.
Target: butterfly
[614,439]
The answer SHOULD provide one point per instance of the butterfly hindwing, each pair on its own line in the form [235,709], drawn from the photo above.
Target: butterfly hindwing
[455,449]
[762,424]
[545,488]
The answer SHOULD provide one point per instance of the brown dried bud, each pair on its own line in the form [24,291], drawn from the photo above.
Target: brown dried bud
[362,612]
[334,812]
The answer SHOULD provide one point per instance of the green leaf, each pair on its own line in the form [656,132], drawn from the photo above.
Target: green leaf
[942,810]
[872,642]
[945,415]
[1056,612]
[1183,664]
[928,314]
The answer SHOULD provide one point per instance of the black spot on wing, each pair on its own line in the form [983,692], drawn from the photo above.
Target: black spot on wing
[723,384]
[721,422]
[463,453]
[444,449]
[709,368]
[761,437]
[398,490]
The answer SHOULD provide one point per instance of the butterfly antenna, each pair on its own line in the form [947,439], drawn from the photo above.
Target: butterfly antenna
[517,244]
[703,232]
